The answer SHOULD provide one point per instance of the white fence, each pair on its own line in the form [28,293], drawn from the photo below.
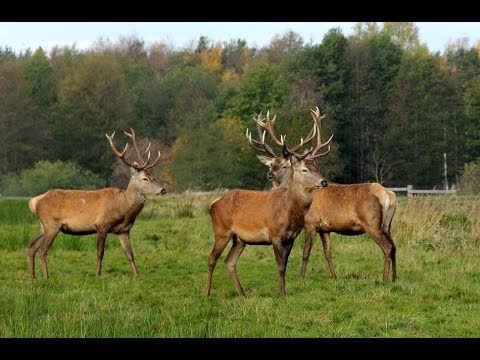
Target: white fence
[410,191]
[14,197]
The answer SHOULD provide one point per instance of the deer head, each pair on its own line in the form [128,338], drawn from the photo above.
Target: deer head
[280,167]
[141,178]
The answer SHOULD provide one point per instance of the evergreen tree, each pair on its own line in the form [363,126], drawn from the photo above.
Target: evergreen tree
[417,123]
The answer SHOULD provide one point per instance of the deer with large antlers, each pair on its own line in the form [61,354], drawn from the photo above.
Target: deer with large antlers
[352,209]
[264,217]
[103,211]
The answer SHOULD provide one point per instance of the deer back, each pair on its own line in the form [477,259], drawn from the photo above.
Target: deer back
[79,207]
[351,208]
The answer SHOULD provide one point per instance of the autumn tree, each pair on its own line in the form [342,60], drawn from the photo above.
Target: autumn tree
[284,46]
[403,34]
[92,100]
[235,55]
[18,138]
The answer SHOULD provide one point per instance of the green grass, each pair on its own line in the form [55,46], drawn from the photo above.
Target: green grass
[436,294]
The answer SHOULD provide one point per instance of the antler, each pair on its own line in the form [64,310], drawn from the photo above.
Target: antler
[139,166]
[317,119]
[143,165]
[313,152]
[265,147]
[267,125]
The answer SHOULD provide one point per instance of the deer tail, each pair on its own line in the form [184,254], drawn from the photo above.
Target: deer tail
[389,206]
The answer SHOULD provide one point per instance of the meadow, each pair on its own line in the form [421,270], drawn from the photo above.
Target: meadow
[436,294]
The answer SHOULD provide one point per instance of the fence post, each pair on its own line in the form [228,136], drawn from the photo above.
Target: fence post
[409,190]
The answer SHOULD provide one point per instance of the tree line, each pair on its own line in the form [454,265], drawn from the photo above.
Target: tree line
[401,114]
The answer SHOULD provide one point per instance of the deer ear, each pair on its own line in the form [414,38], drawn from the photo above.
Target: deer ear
[265,159]
[294,160]
[133,171]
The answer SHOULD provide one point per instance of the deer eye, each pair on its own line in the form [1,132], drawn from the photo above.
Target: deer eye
[304,170]
[284,166]
[145,179]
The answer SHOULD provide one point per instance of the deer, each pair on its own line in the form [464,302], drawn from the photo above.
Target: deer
[350,209]
[102,211]
[273,217]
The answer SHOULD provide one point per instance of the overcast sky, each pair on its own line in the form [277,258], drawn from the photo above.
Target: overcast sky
[23,35]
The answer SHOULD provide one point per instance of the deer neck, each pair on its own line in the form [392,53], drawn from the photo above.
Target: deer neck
[283,181]
[134,199]
[282,184]
[300,197]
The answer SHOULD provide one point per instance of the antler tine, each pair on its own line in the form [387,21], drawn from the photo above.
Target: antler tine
[148,159]
[121,155]
[316,113]
[266,148]
[267,125]
[317,118]
[309,138]
[155,163]
[324,153]
[134,141]
[312,131]
[304,155]
[293,150]
[148,148]
[270,129]
[261,134]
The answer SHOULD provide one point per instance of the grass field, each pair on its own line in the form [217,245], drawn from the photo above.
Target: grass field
[436,295]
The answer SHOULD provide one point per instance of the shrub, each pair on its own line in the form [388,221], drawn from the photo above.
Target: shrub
[46,175]
[469,182]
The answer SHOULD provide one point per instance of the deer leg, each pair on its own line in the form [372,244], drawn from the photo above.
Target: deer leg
[310,233]
[221,241]
[282,251]
[389,250]
[127,248]
[32,250]
[326,250]
[44,245]
[231,262]
[393,251]
[101,237]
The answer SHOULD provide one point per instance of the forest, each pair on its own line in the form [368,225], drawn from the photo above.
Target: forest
[400,114]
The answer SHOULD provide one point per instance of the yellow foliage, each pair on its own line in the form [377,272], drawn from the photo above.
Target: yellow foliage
[231,131]
[444,66]
[229,128]
[212,58]
[229,74]
[168,173]
[158,53]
